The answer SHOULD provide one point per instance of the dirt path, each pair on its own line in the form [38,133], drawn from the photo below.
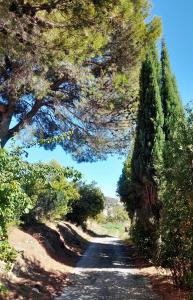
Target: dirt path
[107,272]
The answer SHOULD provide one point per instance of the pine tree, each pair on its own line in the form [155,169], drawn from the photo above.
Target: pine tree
[172,106]
[72,66]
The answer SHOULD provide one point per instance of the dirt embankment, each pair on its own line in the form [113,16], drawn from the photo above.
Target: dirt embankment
[46,254]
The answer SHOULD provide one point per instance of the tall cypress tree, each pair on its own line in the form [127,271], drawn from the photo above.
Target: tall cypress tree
[149,140]
[172,106]
[147,156]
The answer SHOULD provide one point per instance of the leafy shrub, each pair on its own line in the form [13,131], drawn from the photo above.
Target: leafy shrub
[3,290]
[7,253]
[52,189]
[144,238]
[100,218]
[31,192]
[13,200]
[177,213]
[90,204]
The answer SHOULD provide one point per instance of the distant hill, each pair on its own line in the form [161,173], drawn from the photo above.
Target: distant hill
[109,204]
[111,200]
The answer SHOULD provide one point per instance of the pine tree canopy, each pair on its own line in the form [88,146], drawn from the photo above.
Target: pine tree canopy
[72,66]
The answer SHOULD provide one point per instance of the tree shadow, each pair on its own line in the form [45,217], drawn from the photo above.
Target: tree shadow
[57,248]
[94,234]
[72,238]
[69,247]
[35,283]
[108,285]
[113,254]
[163,286]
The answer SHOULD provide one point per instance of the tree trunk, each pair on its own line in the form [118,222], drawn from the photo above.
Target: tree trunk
[5,122]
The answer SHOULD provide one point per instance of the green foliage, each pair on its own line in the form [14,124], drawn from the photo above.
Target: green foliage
[32,192]
[35,192]
[139,181]
[13,200]
[164,231]
[63,59]
[118,214]
[126,189]
[177,213]
[52,189]
[100,218]
[143,237]
[3,290]
[109,228]
[7,254]
[176,245]
[90,204]
[171,101]
[147,153]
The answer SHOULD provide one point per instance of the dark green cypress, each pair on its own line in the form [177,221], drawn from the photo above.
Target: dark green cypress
[172,106]
[149,141]
[147,157]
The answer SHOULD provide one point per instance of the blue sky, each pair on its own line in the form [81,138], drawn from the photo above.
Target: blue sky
[177,18]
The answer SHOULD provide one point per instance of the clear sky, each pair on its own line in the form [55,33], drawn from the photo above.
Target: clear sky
[177,18]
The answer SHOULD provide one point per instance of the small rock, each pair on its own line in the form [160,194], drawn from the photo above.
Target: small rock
[36,290]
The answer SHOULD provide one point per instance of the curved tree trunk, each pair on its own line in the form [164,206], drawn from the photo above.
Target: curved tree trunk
[5,121]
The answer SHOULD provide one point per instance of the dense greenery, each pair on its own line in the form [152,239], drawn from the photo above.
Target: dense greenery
[90,204]
[162,157]
[37,192]
[68,75]
[113,212]
[14,201]
[146,156]
[176,193]
[147,152]
[51,191]
[172,106]
[72,66]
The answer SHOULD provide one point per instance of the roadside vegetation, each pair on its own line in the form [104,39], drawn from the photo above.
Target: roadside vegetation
[34,195]
[38,192]
[157,178]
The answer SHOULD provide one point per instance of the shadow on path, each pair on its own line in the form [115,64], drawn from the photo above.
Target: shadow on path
[102,285]
[111,254]
[108,270]
[94,234]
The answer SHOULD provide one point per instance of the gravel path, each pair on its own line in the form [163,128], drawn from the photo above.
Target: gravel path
[106,272]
